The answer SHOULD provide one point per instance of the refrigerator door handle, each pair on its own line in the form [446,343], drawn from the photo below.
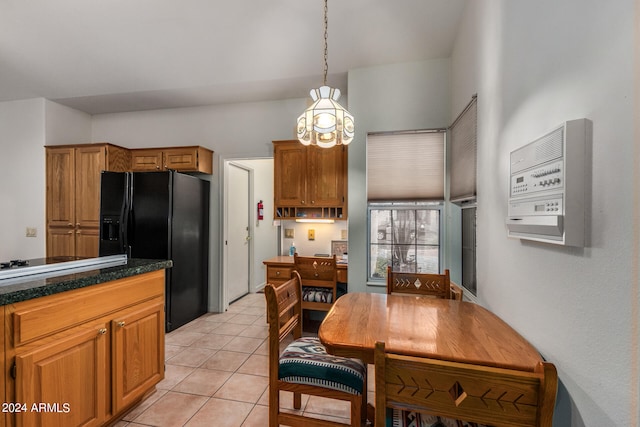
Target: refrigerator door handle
[122,238]
[128,241]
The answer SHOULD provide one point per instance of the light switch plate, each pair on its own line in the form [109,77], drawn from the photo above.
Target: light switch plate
[32,232]
[311,234]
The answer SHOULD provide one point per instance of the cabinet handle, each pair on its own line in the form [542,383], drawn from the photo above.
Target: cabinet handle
[102,331]
[277,273]
[78,232]
[121,324]
[303,202]
[70,225]
[77,224]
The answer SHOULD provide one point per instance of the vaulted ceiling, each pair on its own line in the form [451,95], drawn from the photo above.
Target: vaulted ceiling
[104,56]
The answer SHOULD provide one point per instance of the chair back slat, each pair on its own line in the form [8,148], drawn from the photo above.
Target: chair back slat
[467,392]
[315,269]
[437,285]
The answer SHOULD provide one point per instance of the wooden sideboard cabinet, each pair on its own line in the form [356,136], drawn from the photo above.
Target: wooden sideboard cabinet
[73,195]
[280,268]
[90,353]
[309,182]
[183,159]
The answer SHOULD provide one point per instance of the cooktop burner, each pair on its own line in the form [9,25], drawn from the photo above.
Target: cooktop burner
[14,263]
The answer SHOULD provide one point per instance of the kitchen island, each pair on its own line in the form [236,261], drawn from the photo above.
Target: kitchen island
[82,348]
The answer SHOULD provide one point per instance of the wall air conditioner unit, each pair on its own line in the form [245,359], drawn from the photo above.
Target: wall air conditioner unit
[547,186]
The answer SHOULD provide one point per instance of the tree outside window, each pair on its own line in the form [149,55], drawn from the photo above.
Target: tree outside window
[405,237]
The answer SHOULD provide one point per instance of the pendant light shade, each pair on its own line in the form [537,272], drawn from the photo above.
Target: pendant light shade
[325,123]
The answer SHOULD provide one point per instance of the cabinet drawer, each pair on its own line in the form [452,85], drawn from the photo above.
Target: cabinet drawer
[43,316]
[278,274]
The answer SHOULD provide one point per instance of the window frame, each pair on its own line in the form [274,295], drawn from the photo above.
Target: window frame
[403,205]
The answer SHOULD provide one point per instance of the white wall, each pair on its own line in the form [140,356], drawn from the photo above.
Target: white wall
[22,178]
[388,98]
[231,131]
[324,234]
[535,65]
[26,127]
[64,125]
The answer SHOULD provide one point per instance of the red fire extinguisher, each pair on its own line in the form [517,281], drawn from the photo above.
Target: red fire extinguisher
[260,210]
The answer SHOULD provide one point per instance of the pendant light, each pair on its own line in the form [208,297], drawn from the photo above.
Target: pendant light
[325,123]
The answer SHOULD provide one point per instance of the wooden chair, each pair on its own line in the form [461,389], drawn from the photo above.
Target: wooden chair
[456,292]
[304,367]
[419,387]
[437,285]
[319,281]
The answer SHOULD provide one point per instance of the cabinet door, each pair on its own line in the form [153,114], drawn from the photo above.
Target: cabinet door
[146,160]
[68,372]
[61,241]
[60,187]
[87,242]
[90,162]
[290,174]
[181,159]
[326,180]
[137,352]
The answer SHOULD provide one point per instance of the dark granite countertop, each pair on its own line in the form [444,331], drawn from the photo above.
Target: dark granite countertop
[27,290]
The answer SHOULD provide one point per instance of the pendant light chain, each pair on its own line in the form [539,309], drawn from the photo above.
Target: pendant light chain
[326,48]
[325,123]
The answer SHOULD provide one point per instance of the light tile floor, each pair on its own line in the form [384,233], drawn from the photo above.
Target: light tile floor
[217,375]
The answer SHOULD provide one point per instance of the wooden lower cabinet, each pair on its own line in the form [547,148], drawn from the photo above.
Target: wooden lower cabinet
[62,381]
[135,369]
[85,357]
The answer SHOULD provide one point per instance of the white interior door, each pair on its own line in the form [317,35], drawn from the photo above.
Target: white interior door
[238,232]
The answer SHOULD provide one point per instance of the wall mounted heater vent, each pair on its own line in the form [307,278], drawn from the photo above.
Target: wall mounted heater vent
[547,186]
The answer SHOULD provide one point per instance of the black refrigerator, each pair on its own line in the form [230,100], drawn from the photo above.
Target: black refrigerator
[161,215]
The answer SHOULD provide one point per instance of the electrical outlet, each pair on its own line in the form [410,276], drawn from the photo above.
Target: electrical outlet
[32,232]
[311,234]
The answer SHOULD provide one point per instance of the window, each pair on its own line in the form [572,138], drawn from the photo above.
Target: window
[405,190]
[469,249]
[462,186]
[405,236]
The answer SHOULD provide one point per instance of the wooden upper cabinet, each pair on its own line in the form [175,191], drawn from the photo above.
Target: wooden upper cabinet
[308,178]
[326,180]
[90,162]
[146,160]
[290,174]
[73,195]
[183,159]
[60,186]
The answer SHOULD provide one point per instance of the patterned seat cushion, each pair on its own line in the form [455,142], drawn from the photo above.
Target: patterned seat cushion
[399,418]
[306,361]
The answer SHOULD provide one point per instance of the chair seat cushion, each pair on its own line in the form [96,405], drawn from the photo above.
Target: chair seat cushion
[400,418]
[306,361]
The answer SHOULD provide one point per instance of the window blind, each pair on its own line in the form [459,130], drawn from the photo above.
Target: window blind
[405,166]
[462,186]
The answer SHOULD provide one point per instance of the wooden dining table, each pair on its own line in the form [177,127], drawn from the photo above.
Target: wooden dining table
[441,329]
